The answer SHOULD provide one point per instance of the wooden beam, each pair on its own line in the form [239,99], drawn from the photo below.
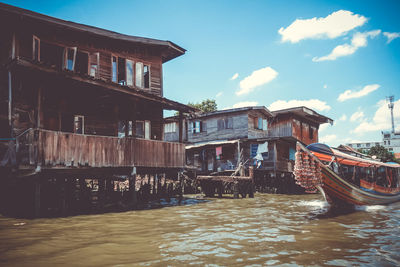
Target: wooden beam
[180,127]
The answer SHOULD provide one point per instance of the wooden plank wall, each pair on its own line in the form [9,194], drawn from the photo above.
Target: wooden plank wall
[211,131]
[24,41]
[56,149]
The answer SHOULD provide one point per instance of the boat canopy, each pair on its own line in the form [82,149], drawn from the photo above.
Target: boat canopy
[325,153]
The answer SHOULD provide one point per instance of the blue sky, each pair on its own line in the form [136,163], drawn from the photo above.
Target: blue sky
[340,58]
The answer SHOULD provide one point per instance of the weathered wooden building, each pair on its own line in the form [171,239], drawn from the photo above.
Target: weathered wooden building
[254,136]
[78,103]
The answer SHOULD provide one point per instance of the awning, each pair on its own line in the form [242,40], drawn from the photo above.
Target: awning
[211,143]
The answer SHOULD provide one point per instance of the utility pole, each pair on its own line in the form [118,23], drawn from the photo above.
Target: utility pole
[390,99]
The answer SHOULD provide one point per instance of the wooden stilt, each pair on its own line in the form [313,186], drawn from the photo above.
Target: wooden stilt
[37,198]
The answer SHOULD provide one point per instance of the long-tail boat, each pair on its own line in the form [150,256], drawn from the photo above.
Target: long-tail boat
[345,179]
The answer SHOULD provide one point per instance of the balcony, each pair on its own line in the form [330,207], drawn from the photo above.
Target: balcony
[59,149]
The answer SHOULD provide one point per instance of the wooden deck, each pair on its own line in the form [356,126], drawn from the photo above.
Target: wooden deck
[60,149]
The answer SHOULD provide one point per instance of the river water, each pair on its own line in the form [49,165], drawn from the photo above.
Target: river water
[265,230]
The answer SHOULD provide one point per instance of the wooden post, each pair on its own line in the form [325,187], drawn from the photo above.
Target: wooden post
[39,108]
[275,158]
[236,189]
[37,197]
[132,187]
[180,127]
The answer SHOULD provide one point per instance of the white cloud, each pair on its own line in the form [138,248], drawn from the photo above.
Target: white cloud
[312,103]
[235,76]
[381,120]
[343,118]
[348,94]
[328,138]
[257,78]
[391,36]
[334,25]
[323,127]
[219,94]
[358,115]
[243,104]
[325,86]
[359,40]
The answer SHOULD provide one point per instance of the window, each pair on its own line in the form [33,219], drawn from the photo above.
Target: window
[94,64]
[390,149]
[265,125]
[147,129]
[139,129]
[310,132]
[139,74]
[170,127]
[79,123]
[82,60]
[121,71]
[368,144]
[36,48]
[121,129]
[226,123]
[196,127]
[146,76]
[69,58]
[52,55]
[358,145]
[260,123]
[253,150]
[129,72]
[114,65]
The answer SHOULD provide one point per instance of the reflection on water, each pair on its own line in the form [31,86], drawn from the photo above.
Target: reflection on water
[266,230]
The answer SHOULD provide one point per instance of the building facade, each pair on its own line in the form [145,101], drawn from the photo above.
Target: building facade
[80,102]
[219,141]
[390,141]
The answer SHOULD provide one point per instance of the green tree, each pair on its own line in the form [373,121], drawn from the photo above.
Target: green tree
[381,153]
[208,105]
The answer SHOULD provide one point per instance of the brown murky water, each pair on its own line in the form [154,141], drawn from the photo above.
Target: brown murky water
[266,230]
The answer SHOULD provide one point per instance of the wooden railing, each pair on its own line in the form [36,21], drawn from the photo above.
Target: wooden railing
[50,148]
[281,165]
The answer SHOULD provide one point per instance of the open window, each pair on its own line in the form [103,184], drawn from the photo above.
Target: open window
[147,129]
[146,76]
[121,71]
[129,72]
[79,124]
[94,64]
[139,74]
[69,58]
[51,54]
[139,129]
[114,69]
[36,48]
[82,60]
[197,127]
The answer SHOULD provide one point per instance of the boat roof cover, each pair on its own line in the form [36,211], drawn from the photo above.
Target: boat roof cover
[324,149]
[320,148]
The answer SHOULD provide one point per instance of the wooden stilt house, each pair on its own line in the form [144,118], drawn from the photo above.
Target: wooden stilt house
[79,102]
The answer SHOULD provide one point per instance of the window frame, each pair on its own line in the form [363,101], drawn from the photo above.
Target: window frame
[133,72]
[97,64]
[116,68]
[65,65]
[34,37]
[83,124]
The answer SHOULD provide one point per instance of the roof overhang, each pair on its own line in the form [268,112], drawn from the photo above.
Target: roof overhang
[168,49]
[304,112]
